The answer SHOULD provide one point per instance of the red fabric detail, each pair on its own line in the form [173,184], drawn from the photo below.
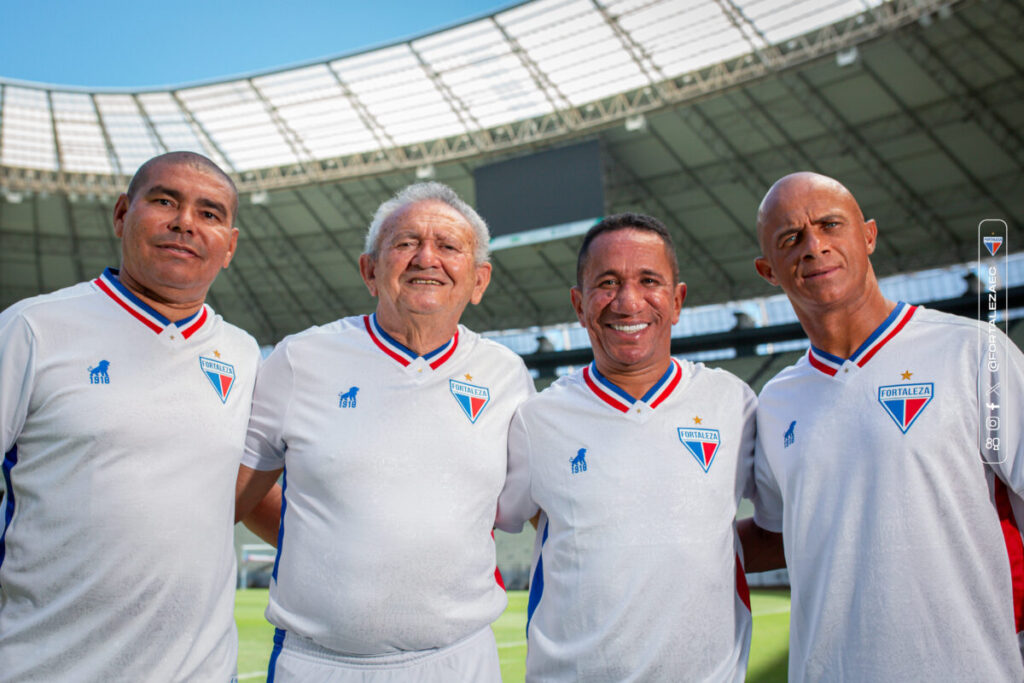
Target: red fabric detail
[497,572]
[225,384]
[1014,550]
[741,583]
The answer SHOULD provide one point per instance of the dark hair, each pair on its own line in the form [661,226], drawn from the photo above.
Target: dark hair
[627,221]
[192,159]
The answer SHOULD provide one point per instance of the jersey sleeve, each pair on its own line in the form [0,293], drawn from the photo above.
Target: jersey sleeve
[265,443]
[515,503]
[17,374]
[767,494]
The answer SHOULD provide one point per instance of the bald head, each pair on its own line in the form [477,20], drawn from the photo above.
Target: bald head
[796,190]
[191,159]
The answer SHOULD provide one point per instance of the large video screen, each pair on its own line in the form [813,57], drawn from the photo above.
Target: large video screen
[541,190]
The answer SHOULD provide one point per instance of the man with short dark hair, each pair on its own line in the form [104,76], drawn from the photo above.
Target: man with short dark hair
[901,535]
[123,407]
[636,464]
[391,431]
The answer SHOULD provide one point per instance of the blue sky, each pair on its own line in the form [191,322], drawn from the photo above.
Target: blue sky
[107,43]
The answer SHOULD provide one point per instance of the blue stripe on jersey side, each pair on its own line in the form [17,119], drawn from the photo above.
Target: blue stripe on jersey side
[10,460]
[878,331]
[280,525]
[537,584]
[278,643]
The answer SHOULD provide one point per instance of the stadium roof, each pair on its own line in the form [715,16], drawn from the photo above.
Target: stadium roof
[917,105]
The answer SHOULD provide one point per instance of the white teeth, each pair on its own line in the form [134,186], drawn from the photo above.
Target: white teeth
[629,329]
[419,281]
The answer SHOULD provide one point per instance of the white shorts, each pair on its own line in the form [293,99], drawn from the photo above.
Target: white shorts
[473,659]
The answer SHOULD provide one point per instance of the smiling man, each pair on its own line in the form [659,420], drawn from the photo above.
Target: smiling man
[391,431]
[636,463]
[119,399]
[904,553]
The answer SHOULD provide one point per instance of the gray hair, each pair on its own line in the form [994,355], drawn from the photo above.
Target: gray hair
[424,192]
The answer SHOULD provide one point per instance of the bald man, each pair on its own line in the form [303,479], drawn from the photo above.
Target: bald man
[900,529]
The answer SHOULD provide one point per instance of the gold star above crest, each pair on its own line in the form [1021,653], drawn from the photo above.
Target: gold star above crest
[906,374]
[469,377]
[696,420]
[216,354]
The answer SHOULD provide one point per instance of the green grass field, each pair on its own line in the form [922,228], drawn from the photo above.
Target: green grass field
[768,651]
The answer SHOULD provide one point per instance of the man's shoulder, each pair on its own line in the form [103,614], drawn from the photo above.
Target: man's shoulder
[343,328]
[66,300]
[494,351]
[562,392]
[948,322]
[720,377]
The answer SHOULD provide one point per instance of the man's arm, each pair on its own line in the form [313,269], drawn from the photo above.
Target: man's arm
[762,549]
[258,502]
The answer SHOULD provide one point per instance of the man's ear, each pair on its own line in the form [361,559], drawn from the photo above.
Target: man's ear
[120,209]
[367,269]
[871,233]
[576,297]
[764,269]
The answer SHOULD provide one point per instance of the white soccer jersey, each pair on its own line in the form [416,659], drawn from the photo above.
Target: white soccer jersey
[393,464]
[122,433]
[899,538]
[635,571]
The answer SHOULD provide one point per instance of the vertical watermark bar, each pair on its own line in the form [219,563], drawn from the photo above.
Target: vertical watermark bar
[993,309]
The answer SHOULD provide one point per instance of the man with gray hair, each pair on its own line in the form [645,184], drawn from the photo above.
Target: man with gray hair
[385,565]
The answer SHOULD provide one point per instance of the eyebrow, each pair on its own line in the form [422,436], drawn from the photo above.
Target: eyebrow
[176,194]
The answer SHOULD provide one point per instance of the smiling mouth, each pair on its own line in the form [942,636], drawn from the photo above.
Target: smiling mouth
[425,281]
[178,249]
[629,329]
[820,273]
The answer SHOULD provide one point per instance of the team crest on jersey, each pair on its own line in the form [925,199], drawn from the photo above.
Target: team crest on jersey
[221,376]
[99,374]
[470,397]
[702,444]
[905,402]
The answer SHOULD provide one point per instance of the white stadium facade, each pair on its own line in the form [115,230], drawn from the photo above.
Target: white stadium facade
[690,109]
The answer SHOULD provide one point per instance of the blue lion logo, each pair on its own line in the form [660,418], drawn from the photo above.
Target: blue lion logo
[98,374]
[348,398]
[579,463]
[788,438]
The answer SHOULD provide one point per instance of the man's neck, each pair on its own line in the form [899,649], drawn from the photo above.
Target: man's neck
[634,381]
[840,330]
[172,310]
[421,334]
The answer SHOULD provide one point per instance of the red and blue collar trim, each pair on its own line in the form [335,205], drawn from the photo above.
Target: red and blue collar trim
[110,285]
[614,396]
[829,364]
[403,354]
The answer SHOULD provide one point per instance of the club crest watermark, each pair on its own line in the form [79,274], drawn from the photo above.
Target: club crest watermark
[993,343]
